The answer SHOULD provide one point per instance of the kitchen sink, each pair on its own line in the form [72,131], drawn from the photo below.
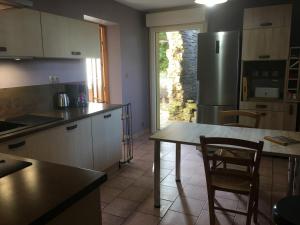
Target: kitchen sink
[7,126]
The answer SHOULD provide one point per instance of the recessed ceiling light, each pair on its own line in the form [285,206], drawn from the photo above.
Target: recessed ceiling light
[210,3]
[17,59]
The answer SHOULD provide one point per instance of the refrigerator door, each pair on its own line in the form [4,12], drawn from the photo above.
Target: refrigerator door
[218,60]
[210,114]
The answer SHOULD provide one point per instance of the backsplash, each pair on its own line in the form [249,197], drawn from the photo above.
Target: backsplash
[22,100]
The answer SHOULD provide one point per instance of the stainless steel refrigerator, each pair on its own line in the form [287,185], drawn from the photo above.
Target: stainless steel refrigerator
[218,75]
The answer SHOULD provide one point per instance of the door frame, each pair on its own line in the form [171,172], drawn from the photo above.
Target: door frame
[154,76]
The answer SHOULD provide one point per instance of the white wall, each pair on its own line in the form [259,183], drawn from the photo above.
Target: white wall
[36,72]
[176,17]
[114,64]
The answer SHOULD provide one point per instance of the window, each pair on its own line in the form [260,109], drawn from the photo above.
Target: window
[97,72]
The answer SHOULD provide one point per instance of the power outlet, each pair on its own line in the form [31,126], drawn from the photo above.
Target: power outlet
[53,79]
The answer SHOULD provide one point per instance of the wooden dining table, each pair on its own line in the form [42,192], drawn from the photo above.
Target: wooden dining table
[189,133]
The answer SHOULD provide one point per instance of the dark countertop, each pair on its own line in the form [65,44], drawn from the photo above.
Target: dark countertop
[40,192]
[68,115]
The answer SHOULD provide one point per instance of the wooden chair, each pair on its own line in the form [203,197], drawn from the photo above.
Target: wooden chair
[240,113]
[232,179]
[230,113]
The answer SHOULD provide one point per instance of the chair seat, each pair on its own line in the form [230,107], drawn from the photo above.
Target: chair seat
[231,180]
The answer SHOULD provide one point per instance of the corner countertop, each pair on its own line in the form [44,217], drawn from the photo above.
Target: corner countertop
[68,115]
[40,192]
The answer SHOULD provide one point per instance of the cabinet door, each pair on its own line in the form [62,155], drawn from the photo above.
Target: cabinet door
[55,32]
[106,131]
[83,144]
[20,33]
[290,117]
[85,39]
[266,44]
[70,144]
[269,120]
[269,16]
[69,38]
[19,146]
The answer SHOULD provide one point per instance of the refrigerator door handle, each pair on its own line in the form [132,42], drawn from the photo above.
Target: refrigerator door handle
[217,47]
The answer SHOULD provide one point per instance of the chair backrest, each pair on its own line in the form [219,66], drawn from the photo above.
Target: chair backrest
[233,144]
[240,113]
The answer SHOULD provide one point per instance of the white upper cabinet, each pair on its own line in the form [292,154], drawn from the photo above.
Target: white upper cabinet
[20,33]
[269,16]
[69,38]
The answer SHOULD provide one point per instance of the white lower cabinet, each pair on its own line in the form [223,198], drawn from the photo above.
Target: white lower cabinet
[106,132]
[18,147]
[70,144]
[92,143]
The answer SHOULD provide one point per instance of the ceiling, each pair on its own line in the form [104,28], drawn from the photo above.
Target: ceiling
[150,5]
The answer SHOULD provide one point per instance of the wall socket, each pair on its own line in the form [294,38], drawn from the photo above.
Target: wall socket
[53,79]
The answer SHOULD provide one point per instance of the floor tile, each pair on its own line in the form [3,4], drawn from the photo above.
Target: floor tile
[108,194]
[145,182]
[176,218]
[119,182]
[135,193]
[192,191]
[147,207]
[108,219]
[220,219]
[142,219]
[121,207]
[132,173]
[188,206]
[224,203]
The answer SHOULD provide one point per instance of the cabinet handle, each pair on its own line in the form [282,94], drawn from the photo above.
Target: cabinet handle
[264,56]
[107,116]
[3,49]
[261,106]
[76,53]
[16,145]
[266,24]
[263,114]
[72,127]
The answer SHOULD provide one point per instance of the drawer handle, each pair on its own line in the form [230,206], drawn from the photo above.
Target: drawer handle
[264,56]
[16,145]
[76,53]
[266,24]
[261,106]
[3,49]
[72,127]
[107,116]
[263,114]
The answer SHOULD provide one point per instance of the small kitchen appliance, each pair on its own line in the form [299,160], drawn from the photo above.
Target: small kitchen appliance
[62,100]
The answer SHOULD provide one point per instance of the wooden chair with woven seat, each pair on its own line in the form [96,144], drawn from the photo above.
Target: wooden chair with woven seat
[232,179]
[255,117]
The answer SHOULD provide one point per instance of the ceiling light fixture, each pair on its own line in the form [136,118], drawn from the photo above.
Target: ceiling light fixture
[210,3]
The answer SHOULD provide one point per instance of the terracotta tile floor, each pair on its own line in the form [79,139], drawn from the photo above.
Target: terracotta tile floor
[127,196]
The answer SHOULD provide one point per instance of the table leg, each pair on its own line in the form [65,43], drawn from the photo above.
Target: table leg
[291,175]
[178,161]
[297,177]
[157,174]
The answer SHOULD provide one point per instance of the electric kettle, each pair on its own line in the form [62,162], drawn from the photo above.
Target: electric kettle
[62,100]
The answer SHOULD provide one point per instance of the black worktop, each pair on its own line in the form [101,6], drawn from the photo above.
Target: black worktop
[66,115]
[41,191]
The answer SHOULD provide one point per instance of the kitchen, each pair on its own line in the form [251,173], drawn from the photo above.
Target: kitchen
[52,59]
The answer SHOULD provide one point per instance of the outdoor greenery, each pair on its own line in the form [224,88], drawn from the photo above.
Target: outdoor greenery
[163,46]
